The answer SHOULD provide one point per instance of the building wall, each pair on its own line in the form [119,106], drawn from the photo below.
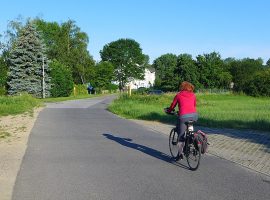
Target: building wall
[149,78]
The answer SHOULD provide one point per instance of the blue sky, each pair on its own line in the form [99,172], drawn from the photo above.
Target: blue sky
[234,28]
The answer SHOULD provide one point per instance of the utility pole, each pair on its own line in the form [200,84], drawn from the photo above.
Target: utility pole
[43,78]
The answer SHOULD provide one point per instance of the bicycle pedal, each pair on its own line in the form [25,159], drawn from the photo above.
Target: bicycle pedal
[179,157]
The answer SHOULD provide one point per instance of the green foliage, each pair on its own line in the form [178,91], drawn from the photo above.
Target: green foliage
[259,84]
[243,72]
[112,87]
[26,61]
[68,44]
[61,80]
[127,58]
[208,71]
[3,91]
[80,89]
[186,70]
[215,110]
[212,71]
[268,63]
[3,73]
[17,104]
[166,78]
[104,74]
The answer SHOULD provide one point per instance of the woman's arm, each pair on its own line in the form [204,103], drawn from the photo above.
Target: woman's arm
[173,104]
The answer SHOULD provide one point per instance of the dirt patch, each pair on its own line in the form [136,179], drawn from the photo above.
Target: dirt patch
[14,133]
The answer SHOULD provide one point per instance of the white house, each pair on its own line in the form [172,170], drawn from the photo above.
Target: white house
[149,78]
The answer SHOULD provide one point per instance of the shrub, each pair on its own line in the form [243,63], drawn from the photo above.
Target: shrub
[3,91]
[61,79]
[259,84]
[112,87]
[80,89]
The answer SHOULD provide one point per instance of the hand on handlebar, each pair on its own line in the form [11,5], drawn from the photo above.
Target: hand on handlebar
[166,110]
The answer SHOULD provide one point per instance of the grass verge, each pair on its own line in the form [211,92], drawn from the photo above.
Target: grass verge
[12,105]
[17,104]
[215,110]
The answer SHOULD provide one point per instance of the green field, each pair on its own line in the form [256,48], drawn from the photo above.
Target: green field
[215,110]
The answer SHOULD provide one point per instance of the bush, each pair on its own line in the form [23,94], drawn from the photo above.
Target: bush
[3,91]
[80,89]
[61,80]
[10,105]
[259,84]
[112,87]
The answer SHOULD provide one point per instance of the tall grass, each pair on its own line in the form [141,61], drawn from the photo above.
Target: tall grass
[17,104]
[215,110]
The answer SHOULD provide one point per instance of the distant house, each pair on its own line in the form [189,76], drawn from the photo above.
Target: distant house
[149,78]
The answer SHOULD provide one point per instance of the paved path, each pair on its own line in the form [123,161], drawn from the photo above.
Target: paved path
[81,151]
[248,148]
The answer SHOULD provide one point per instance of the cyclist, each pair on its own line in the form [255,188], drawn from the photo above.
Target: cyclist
[186,101]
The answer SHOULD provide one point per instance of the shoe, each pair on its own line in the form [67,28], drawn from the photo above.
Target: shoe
[179,157]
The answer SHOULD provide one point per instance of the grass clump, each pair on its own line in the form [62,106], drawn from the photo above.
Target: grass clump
[11,105]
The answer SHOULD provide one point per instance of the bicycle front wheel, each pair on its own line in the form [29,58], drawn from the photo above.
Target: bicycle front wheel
[174,143]
[193,155]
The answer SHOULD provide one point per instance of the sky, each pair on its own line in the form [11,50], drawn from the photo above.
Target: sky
[233,28]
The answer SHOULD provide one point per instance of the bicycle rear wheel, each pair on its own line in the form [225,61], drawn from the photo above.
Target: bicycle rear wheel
[193,155]
[174,143]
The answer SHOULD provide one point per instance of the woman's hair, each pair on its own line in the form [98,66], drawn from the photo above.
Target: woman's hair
[186,86]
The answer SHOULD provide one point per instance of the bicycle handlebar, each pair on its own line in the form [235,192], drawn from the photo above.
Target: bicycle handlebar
[173,112]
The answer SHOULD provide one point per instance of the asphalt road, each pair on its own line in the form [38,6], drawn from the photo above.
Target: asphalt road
[79,151]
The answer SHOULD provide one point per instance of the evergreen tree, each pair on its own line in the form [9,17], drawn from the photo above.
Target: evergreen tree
[26,63]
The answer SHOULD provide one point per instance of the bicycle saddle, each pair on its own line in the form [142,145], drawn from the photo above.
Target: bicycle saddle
[188,123]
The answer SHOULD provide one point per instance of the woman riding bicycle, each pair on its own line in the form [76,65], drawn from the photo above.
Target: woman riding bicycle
[186,101]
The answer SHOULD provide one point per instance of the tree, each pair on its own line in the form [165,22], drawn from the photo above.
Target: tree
[186,70]
[26,62]
[3,75]
[104,74]
[127,58]
[5,46]
[213,73]
[259,84]
[68,44]
[243,71]
[165,67]
[268,63]
[61,80]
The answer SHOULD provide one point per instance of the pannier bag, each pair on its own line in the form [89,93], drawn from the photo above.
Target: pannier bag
[202,139]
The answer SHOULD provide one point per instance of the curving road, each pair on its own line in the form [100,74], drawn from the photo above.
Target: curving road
[79,151]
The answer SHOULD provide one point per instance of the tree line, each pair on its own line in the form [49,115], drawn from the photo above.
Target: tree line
[48,58]
[210,71]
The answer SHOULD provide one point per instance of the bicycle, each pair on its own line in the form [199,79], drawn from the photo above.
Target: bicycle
[191,150]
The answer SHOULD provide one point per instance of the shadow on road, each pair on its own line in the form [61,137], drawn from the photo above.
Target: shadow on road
[127,142]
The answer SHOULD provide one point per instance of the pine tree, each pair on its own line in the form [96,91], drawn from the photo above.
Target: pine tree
[26,62]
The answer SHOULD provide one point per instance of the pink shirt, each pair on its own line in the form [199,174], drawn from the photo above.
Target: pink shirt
[186,103]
